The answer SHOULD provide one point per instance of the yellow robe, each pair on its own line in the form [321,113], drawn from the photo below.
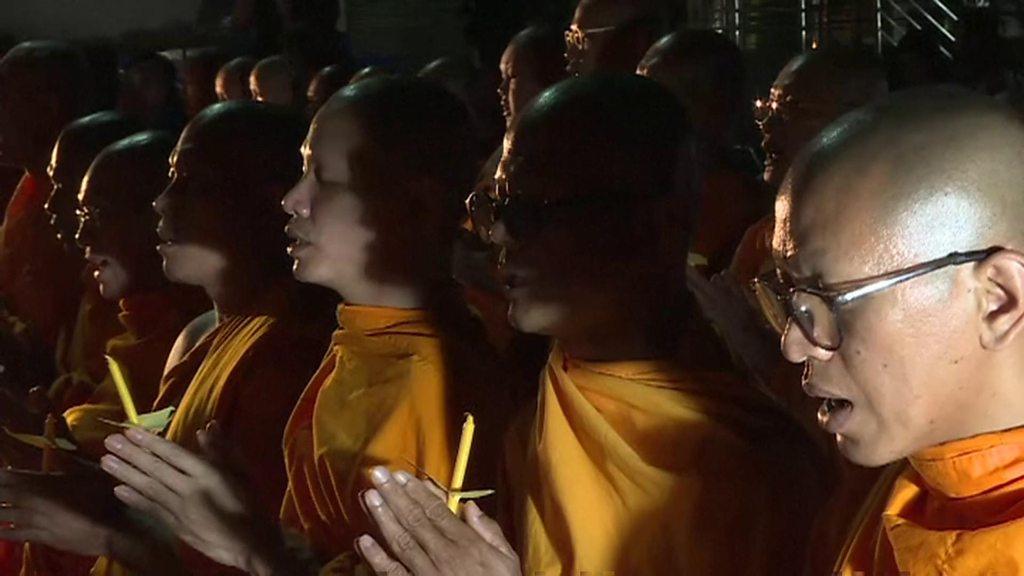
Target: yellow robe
[248,373]
[152,322]
[659,467]
[956,508]
[390,392]
[80,348]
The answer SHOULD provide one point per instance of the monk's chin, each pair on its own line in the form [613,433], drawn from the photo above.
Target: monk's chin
[861,454]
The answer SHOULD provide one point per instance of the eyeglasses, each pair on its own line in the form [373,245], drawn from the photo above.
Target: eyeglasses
[576,38]
[784,108]
[814,309]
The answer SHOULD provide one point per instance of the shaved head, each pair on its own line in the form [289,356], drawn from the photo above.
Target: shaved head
[938,170]
[276,80]
[905,182]
[620,32]
[232,81]
[705,71]
[77,146]
[43,86]
[811,91]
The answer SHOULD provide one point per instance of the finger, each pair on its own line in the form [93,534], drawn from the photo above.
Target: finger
[141,482]
[378,559]
[411,513]
[168,451]
[19,534]
[435,489]
[147,463]
[401,541]
[487,528]
[436,510]
[134,499]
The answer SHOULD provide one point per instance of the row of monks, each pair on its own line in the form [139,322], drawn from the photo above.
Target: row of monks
[320,304]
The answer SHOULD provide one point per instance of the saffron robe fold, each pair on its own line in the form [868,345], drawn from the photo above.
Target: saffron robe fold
[248,373]
[390,392]
[956,508]
[152,323]
[659,467]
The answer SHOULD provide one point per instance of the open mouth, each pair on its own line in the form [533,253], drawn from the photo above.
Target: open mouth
[834,411]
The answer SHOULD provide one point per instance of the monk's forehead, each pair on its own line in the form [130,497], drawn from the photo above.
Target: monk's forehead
[873,210]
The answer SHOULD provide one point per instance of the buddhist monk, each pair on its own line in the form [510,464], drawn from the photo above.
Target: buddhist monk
[221,229]
[612,35]
[43,86]
[811,91]
[324,84]
[475,87]
[93,321]
[120,245]
[705,71]
[640,453]
[373,218]
[117,230]
[151,93]
[232,82]
[367,73]
[532,61]
[897,242]
[276,80]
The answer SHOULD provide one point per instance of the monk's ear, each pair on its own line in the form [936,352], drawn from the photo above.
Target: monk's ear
[1001,290]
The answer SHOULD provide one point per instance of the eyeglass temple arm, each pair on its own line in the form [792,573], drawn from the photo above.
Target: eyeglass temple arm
[954,259]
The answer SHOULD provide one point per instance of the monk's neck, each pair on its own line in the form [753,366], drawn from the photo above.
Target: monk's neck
[240,293]
[407,293]
[643,334]
[613,344]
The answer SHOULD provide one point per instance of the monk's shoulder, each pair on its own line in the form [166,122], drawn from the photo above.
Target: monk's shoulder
[191,335]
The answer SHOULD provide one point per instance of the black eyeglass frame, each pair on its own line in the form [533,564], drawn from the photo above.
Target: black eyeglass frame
[844,293]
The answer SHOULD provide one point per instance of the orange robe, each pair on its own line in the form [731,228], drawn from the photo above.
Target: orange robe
[248,374]
[152,323]
[38,279]
[80,349]
[390,392]
[659,467]
[956,508]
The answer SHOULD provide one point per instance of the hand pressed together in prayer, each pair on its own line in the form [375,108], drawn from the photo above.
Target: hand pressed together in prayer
[195,495]
[72,512]
[425,538]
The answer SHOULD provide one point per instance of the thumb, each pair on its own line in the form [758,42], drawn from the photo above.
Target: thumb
[487,528]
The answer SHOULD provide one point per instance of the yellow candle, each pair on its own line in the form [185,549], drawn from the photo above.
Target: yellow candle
[123,391]
[461,462]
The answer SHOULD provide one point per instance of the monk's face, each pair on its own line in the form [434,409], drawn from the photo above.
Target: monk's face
[271,88]
[898,381]
[195,242]
[601,38]
[519,83]
[118,241]
[230,86]
[65,173]
[567,271]
[329,228]
[803,101]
